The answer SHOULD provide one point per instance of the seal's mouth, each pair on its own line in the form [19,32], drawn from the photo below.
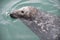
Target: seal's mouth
[18,16]
[13,16]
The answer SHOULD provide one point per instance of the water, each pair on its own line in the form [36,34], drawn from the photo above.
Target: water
[14,29]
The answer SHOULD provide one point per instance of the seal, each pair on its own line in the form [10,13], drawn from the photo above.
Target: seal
[45,25]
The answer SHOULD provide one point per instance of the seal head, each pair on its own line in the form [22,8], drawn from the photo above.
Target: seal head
[27,12]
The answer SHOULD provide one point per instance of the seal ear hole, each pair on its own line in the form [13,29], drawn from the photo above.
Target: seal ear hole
[22,11]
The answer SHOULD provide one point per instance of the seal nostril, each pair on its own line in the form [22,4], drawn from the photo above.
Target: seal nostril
[12,16]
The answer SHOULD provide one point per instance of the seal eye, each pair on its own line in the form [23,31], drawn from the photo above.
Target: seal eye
[22,11]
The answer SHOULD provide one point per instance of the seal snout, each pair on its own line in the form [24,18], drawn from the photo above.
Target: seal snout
[12,16]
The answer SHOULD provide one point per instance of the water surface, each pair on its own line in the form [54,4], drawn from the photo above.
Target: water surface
[14,29]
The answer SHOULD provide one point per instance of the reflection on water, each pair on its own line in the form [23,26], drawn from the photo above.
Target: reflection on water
[12,29]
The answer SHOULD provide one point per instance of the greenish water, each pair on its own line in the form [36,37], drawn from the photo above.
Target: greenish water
[12,29]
